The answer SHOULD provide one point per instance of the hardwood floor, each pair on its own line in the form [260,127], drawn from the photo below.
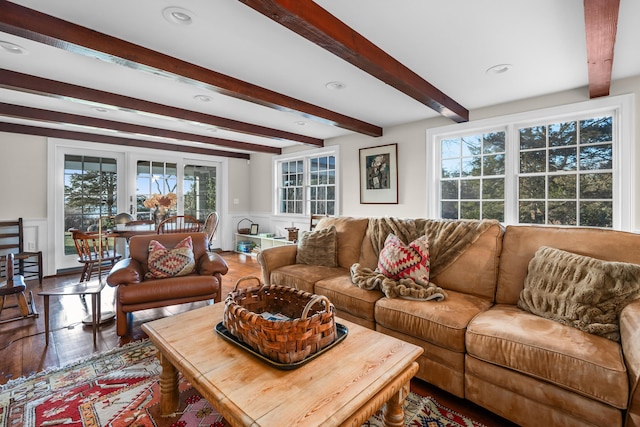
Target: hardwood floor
[22,343]
[23,350]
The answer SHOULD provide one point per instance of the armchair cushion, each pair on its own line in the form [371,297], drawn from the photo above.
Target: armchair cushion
[165,263]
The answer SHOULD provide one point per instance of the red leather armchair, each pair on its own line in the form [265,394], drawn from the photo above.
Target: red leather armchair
[135,293]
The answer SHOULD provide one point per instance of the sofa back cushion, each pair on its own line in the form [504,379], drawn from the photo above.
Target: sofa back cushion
[350,232]
[474,272]
[521,242]
[139,245]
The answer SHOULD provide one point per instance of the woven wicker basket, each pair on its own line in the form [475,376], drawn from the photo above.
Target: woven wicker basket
[311,328]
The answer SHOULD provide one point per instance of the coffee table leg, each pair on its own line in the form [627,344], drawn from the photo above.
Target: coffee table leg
[169,396]
[393,413]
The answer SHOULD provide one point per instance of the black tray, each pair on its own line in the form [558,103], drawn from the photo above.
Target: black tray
[341,333]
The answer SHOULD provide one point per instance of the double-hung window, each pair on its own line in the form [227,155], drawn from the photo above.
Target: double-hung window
[306,182]
[567,166]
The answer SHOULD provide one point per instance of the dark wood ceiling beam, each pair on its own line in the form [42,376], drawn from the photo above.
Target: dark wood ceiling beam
[33,25]
[315,24]
[601,24]
[46,87]
[18,111]
[113,140]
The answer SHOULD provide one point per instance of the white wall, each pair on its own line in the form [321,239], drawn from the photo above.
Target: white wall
[23,174]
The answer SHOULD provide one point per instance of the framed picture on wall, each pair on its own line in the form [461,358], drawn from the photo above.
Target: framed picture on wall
[379,174]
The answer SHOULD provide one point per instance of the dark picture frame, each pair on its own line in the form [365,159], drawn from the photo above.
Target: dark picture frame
[254,229]
[379,174]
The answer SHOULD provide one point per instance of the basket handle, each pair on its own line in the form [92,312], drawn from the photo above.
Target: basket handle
[246,278]
[314,300]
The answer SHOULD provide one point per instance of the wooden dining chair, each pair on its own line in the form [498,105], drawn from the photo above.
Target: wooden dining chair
[12,240]
[14,285]
[179,224]
[94,249]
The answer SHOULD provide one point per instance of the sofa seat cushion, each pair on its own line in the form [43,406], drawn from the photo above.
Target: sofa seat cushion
[347,297]
[303,276]
[167,289]
[584,363]
[441,323]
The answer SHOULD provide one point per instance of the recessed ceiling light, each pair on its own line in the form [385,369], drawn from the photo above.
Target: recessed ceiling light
[335,85]
[499,69]
[100,109]
[301,123]
[12,48]
[202,98]
[178,15]
[212,129]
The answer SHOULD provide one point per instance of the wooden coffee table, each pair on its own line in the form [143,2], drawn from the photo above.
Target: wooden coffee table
[344,386]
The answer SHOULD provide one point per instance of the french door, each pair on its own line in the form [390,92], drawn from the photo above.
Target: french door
[92,185]
[87,196]
[194,184]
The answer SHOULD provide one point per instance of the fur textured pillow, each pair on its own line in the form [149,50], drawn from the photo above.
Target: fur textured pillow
[400,261]
[318,247]
[164,263]
[579,291]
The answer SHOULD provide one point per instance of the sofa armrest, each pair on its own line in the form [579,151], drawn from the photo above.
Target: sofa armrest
[124,272]
[211,264]
[276,257]
[630,340]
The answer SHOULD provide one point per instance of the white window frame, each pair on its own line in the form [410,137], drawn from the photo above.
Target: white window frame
[624,187]
[333,150]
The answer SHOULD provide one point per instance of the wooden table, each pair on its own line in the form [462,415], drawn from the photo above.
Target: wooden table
[134,230]
[344,386]
[92,287]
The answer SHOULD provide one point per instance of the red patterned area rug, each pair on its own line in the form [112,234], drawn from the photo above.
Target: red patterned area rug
[120,388]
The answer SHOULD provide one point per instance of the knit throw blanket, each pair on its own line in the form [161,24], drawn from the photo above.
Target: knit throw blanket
[448,239]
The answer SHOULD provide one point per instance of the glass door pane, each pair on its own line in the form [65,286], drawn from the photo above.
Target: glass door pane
[200,191]
[90,195]
[153,181]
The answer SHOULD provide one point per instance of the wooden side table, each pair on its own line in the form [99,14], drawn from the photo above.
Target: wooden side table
[93,288]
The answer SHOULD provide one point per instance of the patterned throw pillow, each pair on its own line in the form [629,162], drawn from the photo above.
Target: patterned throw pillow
[399,261]
[164,262]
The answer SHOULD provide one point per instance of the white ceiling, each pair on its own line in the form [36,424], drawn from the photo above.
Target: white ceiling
[450,44]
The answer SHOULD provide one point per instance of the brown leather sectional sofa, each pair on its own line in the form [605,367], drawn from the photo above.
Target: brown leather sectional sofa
[477,343]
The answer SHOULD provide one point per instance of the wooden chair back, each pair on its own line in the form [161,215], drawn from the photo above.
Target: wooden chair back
[210,227]
[12,241]
[179,224]
[314,220]
[93,250]
[14,285]
[7,287]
